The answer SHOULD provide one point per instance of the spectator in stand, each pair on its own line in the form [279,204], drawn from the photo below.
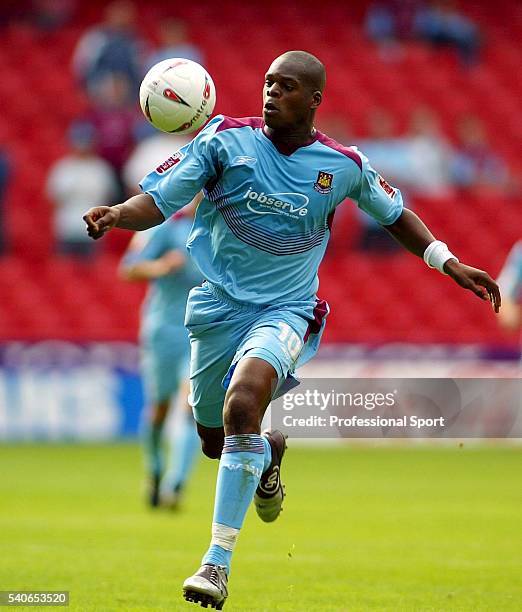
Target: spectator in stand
[51,15]
[390,150]
[380,22]
[114,115]
[47,15]
[389,22]
[111,47]
[442,24]
[475,166]
[174,42]
[153,148]
[5,175]
[418,160]
[78,180]
[429,155]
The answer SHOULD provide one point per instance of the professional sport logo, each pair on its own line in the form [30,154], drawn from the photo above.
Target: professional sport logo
[324,181]
[170,162]
[387,188]
[293,205]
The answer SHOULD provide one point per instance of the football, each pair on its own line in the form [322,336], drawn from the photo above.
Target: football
[177,96]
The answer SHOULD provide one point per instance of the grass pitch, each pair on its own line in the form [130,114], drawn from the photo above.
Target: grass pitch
[396,528]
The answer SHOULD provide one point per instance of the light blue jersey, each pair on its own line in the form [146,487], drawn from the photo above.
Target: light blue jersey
[261,231]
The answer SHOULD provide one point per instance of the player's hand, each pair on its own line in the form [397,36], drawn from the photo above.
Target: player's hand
[475,280]
[100,220]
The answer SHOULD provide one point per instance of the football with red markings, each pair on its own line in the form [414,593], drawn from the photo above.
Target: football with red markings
[177,96]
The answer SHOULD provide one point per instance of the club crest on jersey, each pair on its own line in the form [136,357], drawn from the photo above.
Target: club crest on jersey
[324,181]
[170,162]
[387,188]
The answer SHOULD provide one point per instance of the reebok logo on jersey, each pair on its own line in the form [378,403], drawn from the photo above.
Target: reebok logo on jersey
[324,181]
[170,162]
[244,159]
[387,188]
[270,203]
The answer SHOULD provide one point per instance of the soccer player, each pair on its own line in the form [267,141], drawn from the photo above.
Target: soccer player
[271,187]
[159,256]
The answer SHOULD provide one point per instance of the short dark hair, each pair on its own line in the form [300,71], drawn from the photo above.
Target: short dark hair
[311,70]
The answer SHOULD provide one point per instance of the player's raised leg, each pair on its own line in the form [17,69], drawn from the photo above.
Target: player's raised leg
[246,455]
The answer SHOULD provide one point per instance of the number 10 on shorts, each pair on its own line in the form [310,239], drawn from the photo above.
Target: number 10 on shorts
[290,339]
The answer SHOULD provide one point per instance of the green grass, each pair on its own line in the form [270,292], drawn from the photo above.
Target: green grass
[394,528]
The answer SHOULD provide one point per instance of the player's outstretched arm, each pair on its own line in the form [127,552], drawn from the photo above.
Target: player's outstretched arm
[412,234]
[137,213]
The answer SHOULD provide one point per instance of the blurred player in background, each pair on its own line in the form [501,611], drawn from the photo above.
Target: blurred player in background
[271,187]
[510,282]
[77,180]
[159,256]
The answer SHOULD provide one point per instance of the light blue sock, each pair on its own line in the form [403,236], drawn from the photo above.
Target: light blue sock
[240,469]
[152,448]
[185,446]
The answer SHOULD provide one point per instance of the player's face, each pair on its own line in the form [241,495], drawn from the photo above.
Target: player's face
[287,101]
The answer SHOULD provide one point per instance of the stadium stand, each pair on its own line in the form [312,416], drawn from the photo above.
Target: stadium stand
[374,298]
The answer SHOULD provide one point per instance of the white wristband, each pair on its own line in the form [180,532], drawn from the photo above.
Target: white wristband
[437,254]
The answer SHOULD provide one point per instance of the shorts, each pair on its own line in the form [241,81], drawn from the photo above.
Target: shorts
[223,330]
[165,357]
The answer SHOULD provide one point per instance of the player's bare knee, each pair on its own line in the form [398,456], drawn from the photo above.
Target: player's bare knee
[242,410]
